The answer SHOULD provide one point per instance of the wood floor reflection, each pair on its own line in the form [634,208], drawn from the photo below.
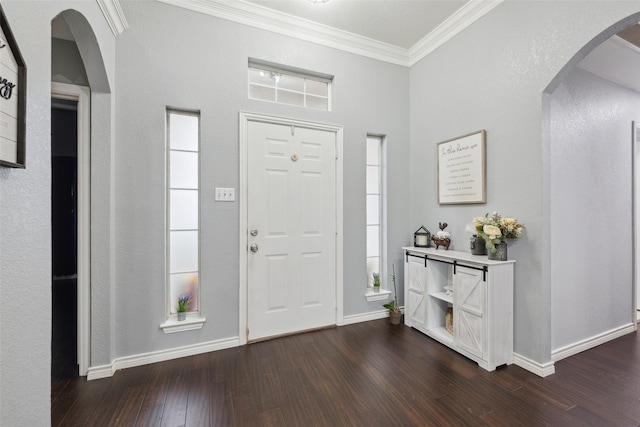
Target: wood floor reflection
[367,374]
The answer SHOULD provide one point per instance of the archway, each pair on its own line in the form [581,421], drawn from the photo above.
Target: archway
[588,202]
[94,188]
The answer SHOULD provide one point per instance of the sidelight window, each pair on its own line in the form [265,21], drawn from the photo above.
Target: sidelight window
[375,186]
[183,211]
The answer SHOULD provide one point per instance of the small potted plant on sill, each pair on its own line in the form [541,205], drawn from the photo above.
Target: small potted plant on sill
[395,314]
[184,301]
[376,282]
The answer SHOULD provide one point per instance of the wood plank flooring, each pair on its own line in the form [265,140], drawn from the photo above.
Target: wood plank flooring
[367,374]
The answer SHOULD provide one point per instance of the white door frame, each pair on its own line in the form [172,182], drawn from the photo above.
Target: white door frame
[245,118]
[635,205]
[82,95]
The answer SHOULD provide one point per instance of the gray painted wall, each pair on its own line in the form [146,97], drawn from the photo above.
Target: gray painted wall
[66,63]
[25,223]
[492,76]
[591,238]
[205,68]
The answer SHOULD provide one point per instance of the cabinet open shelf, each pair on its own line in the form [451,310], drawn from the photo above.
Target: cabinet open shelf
[442,296]
[444,336]
[480,309]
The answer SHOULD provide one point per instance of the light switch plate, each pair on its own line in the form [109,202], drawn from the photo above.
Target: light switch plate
[225,194]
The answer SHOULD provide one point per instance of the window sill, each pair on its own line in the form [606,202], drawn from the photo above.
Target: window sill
[172,324]
[377,296]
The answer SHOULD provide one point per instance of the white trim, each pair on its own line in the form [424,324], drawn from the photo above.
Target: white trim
[245,118]
[463,18]
[82,95]
[114,15]
[635,201]
[540,369]
[102,371]
[105,371]
[381,295]
[172,325]
[267,19]
[592,342]
[366,317]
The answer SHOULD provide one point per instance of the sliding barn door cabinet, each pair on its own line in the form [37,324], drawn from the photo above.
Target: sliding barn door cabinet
[463,301]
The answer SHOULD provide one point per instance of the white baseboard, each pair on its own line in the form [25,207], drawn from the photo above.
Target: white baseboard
[540,369]
[589,343]
[105,371]
[365,317]
[102,371]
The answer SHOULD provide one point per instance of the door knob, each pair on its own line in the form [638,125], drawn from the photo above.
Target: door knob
[254,248]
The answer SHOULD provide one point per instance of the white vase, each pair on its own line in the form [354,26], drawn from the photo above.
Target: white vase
[182,315]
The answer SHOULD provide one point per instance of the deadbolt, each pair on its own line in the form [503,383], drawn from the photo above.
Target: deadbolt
[253,232]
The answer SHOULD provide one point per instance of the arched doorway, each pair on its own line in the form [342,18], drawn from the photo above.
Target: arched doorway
[79,85]
[587,116]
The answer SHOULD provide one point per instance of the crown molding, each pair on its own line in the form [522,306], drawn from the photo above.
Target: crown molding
[114,15]
[270,20]
[463,18]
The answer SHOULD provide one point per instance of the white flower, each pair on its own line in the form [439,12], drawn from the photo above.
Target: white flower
[492,231]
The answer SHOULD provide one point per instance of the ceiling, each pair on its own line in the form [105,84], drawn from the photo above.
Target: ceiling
[401,23]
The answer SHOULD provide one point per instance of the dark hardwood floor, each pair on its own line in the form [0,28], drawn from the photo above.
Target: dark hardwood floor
[367,374]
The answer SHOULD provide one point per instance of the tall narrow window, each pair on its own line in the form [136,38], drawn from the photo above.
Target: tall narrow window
[375,211]
[183,218]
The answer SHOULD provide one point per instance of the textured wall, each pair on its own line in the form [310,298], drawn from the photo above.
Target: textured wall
[25,223]
[591,239]
[160,64]
[492,76]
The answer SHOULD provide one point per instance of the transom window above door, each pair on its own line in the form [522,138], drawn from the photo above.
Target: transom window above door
[287,85]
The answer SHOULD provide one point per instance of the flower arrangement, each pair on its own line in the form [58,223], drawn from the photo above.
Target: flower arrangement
[184,301]
[495,228]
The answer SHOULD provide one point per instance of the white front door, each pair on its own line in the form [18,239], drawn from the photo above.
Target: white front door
[291,226]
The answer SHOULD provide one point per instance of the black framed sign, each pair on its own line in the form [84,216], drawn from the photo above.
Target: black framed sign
[13,96]
[462,169]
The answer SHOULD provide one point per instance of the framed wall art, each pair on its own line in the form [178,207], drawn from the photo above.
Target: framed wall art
[13,97]
[462,169]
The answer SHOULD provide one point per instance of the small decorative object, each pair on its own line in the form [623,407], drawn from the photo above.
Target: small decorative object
[494,230]
[448,320]
[448,290]
[184,301]
[395,314]
[421,237]
[478,245]
[442,238]
[376,282]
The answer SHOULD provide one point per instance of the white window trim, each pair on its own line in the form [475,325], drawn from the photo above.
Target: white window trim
[385,290]
[294,72]
[191,323]
[194,320]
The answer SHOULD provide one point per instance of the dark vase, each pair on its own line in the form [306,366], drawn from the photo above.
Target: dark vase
[501,252]
[478,246]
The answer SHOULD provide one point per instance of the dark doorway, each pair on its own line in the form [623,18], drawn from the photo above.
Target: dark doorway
[64,172]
